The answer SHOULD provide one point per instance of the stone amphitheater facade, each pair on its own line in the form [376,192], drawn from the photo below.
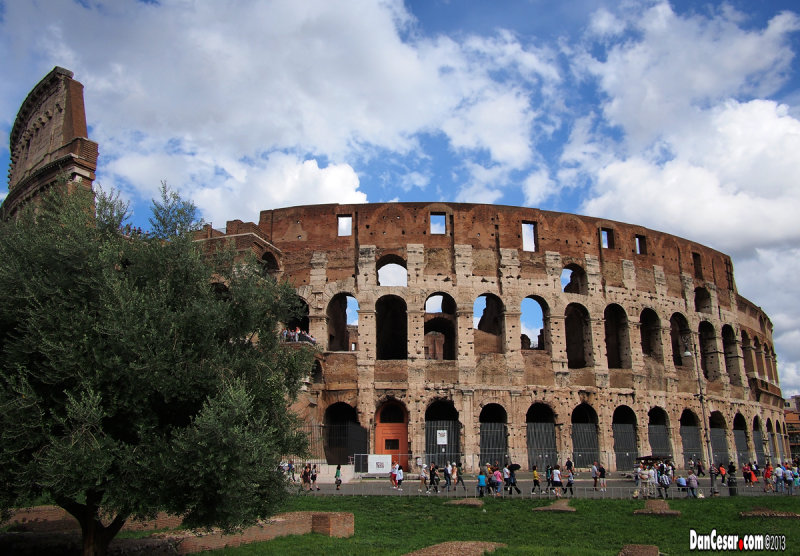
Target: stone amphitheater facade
[645,345]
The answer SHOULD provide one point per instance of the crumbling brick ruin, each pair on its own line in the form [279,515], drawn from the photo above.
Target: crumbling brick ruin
[638,327]
[627,314]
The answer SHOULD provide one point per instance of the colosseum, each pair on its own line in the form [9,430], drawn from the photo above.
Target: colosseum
[639,345]
[481,332]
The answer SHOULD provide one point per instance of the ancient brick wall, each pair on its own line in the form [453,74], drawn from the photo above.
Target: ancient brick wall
[463,252]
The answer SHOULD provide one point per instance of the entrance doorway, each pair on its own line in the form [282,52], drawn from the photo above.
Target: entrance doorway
[391,432]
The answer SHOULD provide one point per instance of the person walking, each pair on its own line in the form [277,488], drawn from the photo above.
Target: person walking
[399,477]
[512,470]
[481,483]
[601,474]
[458,477]
[557,481]
[448,475]
[337,477]
[314,477]
[691,484]
[536,486]
[570,481]
[393,475]
[595,475]
[423,478]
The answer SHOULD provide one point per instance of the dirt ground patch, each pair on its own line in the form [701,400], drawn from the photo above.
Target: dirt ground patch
[458,548]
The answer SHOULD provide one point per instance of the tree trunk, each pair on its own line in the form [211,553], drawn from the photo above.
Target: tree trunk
[96,536]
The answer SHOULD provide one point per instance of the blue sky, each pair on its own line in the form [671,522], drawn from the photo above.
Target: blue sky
[683,117]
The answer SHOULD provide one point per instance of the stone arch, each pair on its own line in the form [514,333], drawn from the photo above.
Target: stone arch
[709,361]
[758,441]
[731,351]
[658,432]
[718,430]
[493,421]
[574,279]
[541,435]
[740,439]
[270,266]
[489,331]
[343,437]
[534,310]
[392,270]
[341,326]
[578,334]
[626,442]
[585,443]
[391,328]
[441,328]
[690,437]
[748,354]
[678,330]
[442,432]
[759,357]
[702,300]
[618,347]
[650,334]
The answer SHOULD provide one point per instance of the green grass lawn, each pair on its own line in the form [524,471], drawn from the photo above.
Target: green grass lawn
[396,525]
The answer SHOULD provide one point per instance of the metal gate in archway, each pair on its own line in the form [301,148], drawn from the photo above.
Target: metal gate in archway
[692,444]
[585,447]
[541,445]
[742,451]
[442,442]
[494,443]
[342,441]
[660,444]
[719,445]
[625,448]
[758,442]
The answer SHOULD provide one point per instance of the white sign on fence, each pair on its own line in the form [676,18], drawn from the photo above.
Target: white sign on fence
[379,464]
[441,437]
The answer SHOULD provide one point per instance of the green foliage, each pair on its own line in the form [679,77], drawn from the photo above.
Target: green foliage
[139,375]
[173,216]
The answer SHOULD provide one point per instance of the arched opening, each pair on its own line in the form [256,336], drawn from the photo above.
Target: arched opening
[442,433]
[316,373]
[585,445]
[541,436]
[731,351]
[269,265]
[574,280]
[342,316]
[626,443]
[758,441]
[440,327]
[718,429]
[650,334]
[658,431]
[748,355]
[709,361]
[740,439]
[678,330]
[759,357]
[578,333]
[494,434]
[690,437]
[773,452]
[391,431]
[297,326]
[779,440]
[391,328]
[489,331]
[618,347]
[392,271]
[343,437]
[535,322]
[702,300]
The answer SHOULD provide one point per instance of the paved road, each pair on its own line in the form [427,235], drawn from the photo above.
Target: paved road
[618,487]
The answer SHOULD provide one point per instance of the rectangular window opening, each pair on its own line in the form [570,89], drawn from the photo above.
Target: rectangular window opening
[438,223]
[529,237]
[345,225]
[641,245]
[391,444]
[607,238]
[698,265]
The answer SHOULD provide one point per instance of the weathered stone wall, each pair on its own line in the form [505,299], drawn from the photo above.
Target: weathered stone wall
[481,253]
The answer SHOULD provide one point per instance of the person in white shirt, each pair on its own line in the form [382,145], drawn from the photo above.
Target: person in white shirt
[399,476]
